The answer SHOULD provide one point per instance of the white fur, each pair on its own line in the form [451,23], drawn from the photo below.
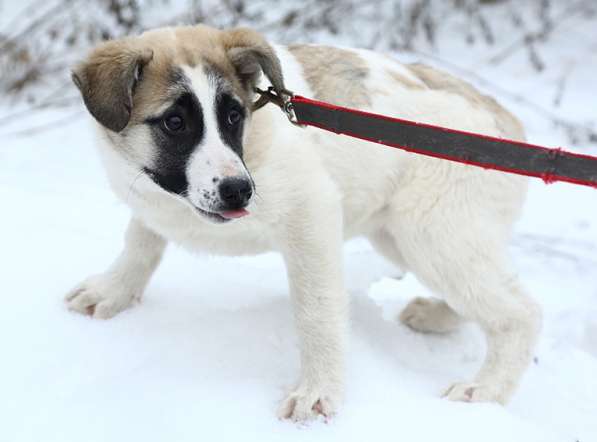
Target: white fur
[447,223]
[212,158]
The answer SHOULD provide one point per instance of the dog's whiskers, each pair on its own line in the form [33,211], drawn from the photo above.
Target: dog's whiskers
[257,194]
[133,185]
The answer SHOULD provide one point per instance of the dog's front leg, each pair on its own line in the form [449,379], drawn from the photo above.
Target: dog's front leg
[106,294]
[313,259]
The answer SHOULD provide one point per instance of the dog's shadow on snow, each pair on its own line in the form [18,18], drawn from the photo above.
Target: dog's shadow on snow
[445,356]
[258,340]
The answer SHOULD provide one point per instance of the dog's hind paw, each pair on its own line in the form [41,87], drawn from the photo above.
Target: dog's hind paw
[473,392]
[305,404]
[100,296]
[429,315]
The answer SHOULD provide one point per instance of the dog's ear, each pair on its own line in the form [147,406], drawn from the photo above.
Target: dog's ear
[107,80]
[250,54]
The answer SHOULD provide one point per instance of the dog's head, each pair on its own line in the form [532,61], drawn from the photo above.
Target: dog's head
[175,104]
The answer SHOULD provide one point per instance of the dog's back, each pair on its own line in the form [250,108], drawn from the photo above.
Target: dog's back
[369,175]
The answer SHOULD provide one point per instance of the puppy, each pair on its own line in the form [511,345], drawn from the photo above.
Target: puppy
[184,150]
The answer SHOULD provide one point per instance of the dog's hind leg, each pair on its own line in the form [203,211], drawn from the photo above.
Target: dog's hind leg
[384,244]
[511,321]
[465,261]
[106,294]
[426,315]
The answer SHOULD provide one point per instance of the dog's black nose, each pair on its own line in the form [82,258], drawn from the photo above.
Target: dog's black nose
[235,193]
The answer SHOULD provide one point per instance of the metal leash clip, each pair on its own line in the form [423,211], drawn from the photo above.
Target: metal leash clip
[282,99]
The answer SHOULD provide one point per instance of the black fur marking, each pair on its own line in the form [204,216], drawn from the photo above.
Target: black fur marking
[175,148]
[231,131]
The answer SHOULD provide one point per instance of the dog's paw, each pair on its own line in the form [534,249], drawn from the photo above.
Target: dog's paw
[308,403]
[100,296]
[429,316]
[473,392]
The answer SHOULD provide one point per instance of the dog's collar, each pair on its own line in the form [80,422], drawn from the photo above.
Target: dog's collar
[281,98]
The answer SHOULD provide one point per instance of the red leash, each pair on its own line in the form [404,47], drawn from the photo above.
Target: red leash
[501,154]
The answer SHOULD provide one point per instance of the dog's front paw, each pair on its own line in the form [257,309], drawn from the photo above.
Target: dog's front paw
[473,392]
[309,402]
[100,296]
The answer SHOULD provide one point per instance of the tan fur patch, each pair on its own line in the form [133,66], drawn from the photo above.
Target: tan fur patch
[175,47]
[435,79]
[403,81]
[335,75]
[249,52]
[106,78]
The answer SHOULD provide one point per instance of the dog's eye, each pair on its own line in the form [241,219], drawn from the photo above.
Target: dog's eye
[234,117]
[174,123]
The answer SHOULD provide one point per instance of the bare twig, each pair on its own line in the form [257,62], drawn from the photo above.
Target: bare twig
[562,82]
[49,125]
[53,100]
[52,12]
[529,38]
[25,14]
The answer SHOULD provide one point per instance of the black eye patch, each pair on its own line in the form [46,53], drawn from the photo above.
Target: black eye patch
[231,116]
[176,133]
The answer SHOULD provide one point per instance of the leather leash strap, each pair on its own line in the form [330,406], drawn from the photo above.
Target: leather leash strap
[501,154]
[464,147]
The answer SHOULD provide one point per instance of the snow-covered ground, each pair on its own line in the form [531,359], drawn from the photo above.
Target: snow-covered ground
[212,349]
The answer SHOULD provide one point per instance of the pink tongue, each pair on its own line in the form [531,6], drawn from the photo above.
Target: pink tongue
[231,214]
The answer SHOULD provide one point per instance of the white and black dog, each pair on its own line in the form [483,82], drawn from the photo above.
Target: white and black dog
[183,149]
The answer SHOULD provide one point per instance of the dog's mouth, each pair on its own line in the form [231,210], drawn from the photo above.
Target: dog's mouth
[223,216]
[219,216]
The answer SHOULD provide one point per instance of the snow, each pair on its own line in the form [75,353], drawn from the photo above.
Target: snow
[212,349]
